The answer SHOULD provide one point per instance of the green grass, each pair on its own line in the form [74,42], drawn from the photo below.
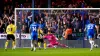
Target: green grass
[51,52]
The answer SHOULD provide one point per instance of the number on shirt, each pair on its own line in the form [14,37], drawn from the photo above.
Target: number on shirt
[34,28]
[9,29]
[90,26]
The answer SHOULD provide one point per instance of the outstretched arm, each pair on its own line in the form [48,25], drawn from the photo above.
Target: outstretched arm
[55,37]
[44,36]
[97,28]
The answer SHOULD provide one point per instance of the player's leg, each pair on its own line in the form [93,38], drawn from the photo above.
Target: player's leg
[35,45]
[44,44]
[32,42]
[39,43]
[95,45]
[32,45]
[53,44]
[91,41]
[63,45]
[6,44]
[7,41]
[35,38]
[13,43]
[49,45]
[90,37]
[59,44]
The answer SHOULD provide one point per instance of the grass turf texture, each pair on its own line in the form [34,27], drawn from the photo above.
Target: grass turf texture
[51,52]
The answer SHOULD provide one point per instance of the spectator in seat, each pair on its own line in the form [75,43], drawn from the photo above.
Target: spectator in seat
[68,33]
[2,26]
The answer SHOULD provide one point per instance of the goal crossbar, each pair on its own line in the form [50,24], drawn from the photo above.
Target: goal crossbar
[57,8]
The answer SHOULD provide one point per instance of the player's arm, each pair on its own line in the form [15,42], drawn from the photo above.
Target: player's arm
[7,29]
[45,36]
[30,29]
[41,31]
[63,34]
[55,37]
[15,28]
[85,29]
[97,28]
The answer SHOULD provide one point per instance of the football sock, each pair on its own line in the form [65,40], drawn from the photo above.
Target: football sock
[45,45]
[92,44]
[39,44]
[31,44]
[13,44]
[6,44]
[34,49]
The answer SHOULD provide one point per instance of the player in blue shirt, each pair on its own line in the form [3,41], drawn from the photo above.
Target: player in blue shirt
[34,35]
[90,28]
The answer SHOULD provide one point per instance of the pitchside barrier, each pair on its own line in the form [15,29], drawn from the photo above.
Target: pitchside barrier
[25,42]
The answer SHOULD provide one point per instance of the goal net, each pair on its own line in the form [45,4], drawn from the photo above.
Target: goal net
[59,20]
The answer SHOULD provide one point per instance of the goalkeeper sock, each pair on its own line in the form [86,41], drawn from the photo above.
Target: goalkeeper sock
[6,44]
[45,45]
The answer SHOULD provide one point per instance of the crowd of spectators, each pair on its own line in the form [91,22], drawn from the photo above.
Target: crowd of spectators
[57,20]
[5,18]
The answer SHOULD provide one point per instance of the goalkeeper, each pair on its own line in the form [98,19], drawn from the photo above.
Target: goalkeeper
[40,39]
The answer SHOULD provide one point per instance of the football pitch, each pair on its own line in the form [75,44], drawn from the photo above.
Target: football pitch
[51,52]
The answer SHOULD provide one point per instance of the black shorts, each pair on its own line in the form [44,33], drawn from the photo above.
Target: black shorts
[40,40]
[10,37]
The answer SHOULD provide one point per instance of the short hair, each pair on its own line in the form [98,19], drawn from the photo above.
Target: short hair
[91,21]
[11,22]
[35,20]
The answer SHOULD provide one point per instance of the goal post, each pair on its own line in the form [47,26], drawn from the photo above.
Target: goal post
[62,17]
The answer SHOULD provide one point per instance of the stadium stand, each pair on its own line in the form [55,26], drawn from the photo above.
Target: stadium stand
[69,17]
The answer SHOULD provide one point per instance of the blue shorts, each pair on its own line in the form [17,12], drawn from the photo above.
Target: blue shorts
[90,35]
[34,37]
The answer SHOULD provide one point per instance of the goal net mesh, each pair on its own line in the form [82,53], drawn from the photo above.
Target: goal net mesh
[58,20]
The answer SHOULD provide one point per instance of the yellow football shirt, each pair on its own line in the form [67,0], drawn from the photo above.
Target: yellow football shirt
[11,29]
[40,32]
